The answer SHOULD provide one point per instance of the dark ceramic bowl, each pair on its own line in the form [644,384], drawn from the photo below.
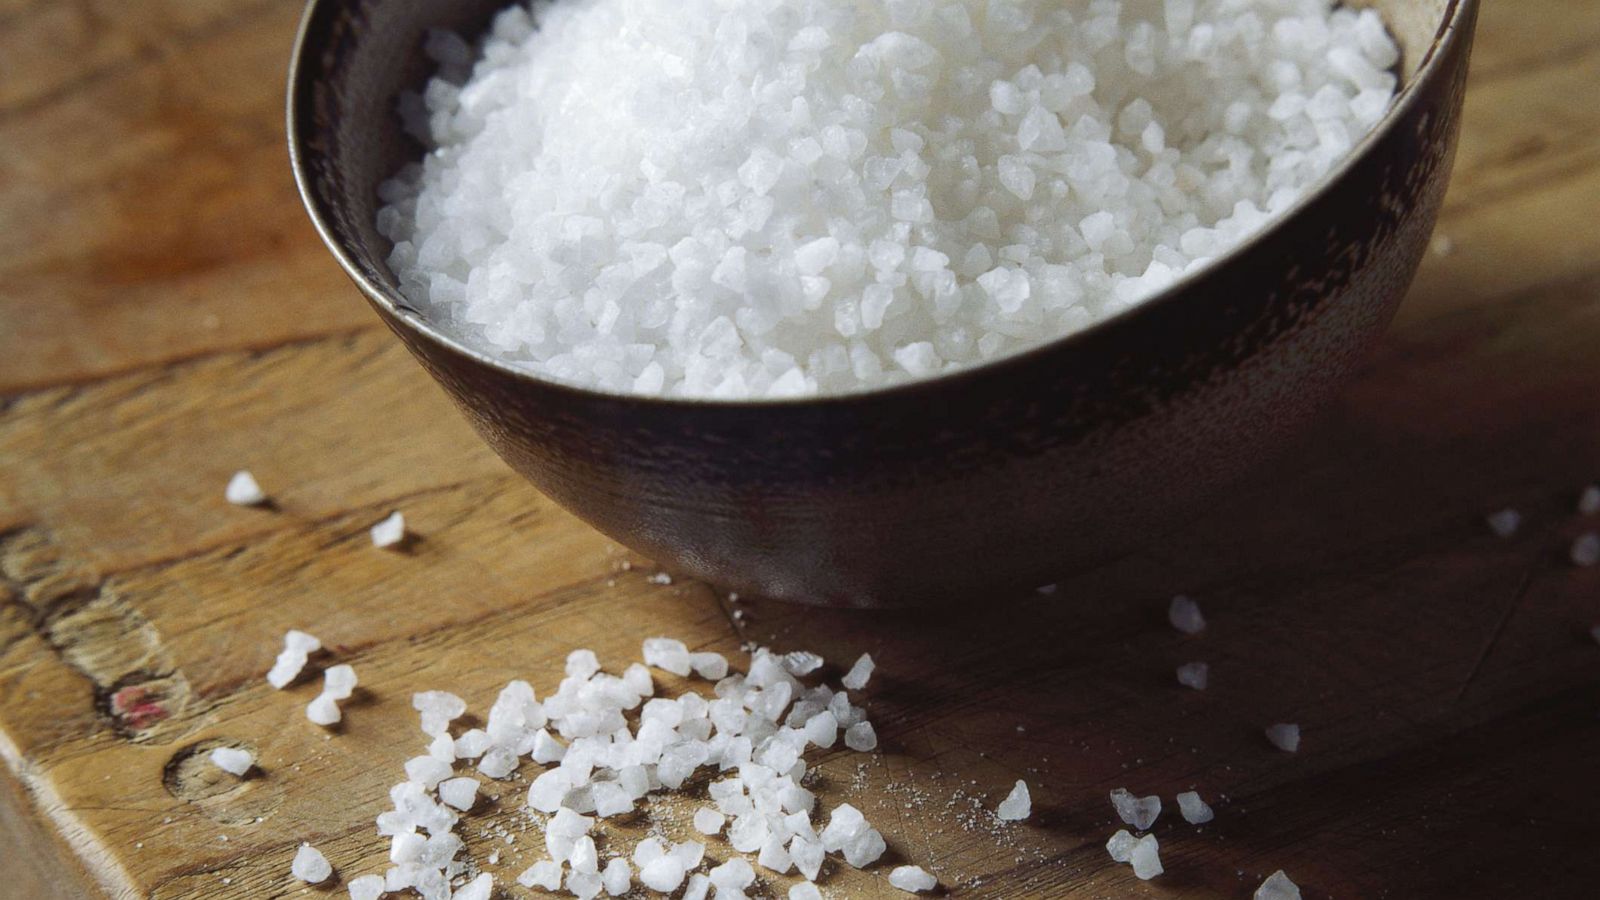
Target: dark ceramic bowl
[966,486]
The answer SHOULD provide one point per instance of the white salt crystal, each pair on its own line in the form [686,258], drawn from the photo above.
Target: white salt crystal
[667,654]
[859,674]
[805,890]
[864,848]
[912,879]
[1017,805]
[310,865]
[1195,811]
[611,799]
[1121,845]
[323,710]
[1185,615]
[438,709]
[800,663]
[244,491]
[1140,812]
[339,682]
[584,857]
[664,874]
[822,730]
[1284,736]
[1504,523]
[1277,887]
[698,887]
[584,885]
[367,887]
[601,242]
[546,749]
[1589,500]
[1146,858]
[1586,550]
[708,821]
[479,888]
[297,647]
[443,746]
[617,877]
[232,760]
[710,666]
[460,793]
[406,847]
[861,737]
[472,743]
[733,875]
[1194,675]
[582,663]
[390,531]
[498,762]
[544,874]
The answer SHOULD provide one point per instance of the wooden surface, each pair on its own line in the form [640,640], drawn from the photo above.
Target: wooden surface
[167,316]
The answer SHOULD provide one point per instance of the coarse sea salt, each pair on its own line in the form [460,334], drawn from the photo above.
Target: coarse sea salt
[1585,550]
[1140,812]
[1120,846]
[1017,805]
[390,531]
[778,198]
[310,865]
[1284,736]
[1195,811]
[232,760]
[1277,887]
[243,490]
[1146,858]
[1184,614]
[297,648]
[1589,500]
[1504,523]
[338,683]
[912,879]
[1194,675]
[366,887]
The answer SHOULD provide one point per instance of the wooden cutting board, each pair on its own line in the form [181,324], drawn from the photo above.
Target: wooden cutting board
[167,316]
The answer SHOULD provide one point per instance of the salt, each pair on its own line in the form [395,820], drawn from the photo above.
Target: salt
[912,879]
[1589,500]
[232,760]
[1185,615]
[438,709]
[1194,675]
[1585,550]
[310,865]
[1017,805]
[1284,736]
[1120,846]
[544,874]
[460,793]
[243,490]
[297,648]
[739,223]
[709,821]
[1277,887]
[859,674]
[366,887]
[1504,523]
[1140,812]
[1194,810]
[861,737]
[1146,858]
[390,531]
[479,888]
[805,890]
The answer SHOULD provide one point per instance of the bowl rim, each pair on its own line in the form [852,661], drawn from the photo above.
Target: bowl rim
[299,105]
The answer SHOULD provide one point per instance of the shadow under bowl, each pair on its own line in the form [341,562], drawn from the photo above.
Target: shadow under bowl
[968,486]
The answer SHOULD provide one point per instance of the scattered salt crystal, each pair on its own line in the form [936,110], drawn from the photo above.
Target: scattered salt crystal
[859,674]
[1589,500]
[1146,858]
[1504,523]
[367,887]
[297,647]
[1195,811]
[733,875]
[443,746]
[1284,736]
[479,888]
[1277,887]
[339,682]
[473,743]
[708,821]
[390,531]
[244,491]
[1017,805]
[698,887]
[1185,615]
[310,865]
[544,874]
[800,663]
[1586,550]
[1121,845]
[667,654]
[912,879]
[1140,812]
[584,885]
[664,874]
[710,666]
[323,710]
[805,890]
[1194,675]
[438,709]
[617,877]
[460,793]
[861,737]
[232,760]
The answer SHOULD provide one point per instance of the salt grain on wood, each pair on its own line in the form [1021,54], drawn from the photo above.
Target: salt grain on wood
[390,531]
[912,879]
[232,760]
[1504,523]
[1185,615]
[1277,887]
[310,865]
[1585,550]
[1284,736]
[1194,675]
[243,490]
[1017,805]
[297,648]
[1194,810]
[1140,812]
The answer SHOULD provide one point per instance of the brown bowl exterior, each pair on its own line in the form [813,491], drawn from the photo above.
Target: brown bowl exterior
[992,480]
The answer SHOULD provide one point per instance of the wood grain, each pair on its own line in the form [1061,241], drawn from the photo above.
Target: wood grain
[166,316]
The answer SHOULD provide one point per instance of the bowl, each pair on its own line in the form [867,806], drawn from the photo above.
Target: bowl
[967,486]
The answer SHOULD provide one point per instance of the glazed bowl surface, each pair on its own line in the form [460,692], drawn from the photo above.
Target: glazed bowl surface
[964,487]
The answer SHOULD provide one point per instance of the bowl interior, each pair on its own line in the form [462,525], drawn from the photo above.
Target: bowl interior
[354,58]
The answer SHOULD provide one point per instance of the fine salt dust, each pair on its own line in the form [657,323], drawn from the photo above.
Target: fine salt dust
[790,197]
[1277,887]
